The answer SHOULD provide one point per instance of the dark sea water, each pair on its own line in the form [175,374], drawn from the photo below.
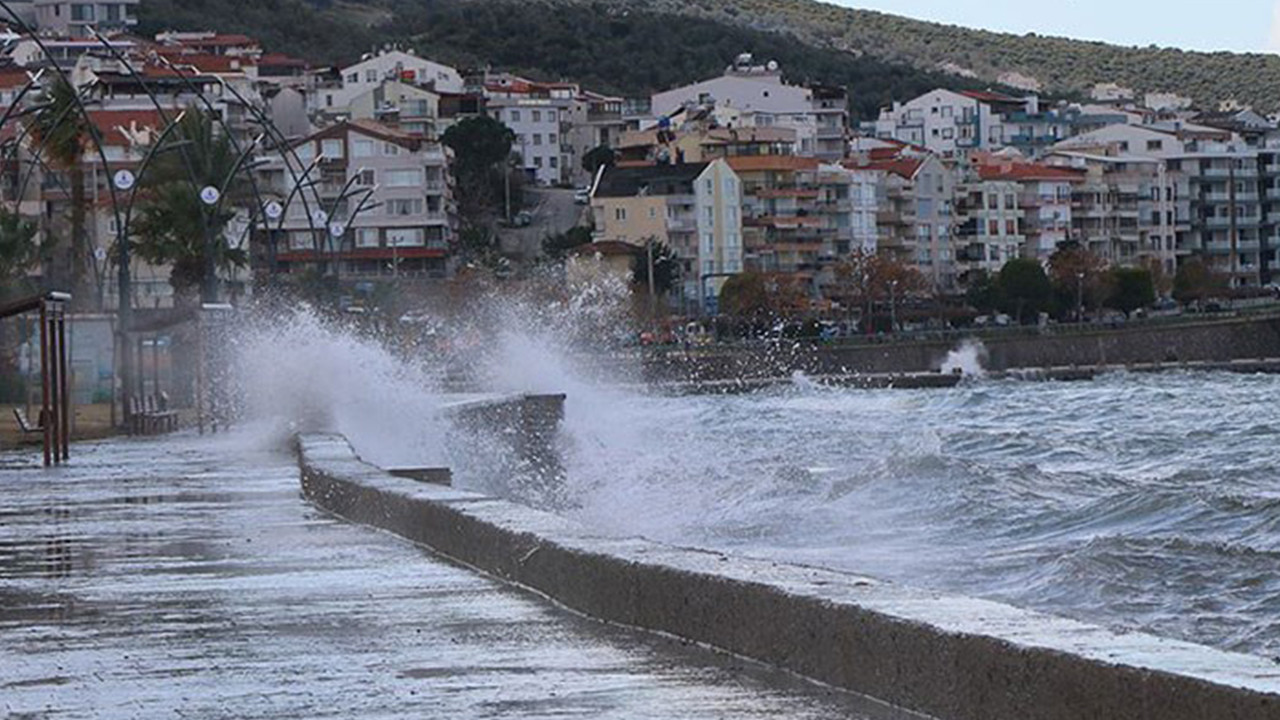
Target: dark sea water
[1146,502]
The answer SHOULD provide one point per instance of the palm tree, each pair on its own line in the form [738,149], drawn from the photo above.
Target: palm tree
[61,130]
[174,226]
[18,250]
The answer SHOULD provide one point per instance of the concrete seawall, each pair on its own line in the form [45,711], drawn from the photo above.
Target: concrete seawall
[950,657]
[1217,340]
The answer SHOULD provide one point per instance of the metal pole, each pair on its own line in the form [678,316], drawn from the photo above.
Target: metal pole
[1079,297]
[653,295]
[45,414]
[55,381]
[65,376]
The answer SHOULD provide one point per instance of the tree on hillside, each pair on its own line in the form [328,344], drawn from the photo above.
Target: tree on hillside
[865,279]
[557,247]
[666,268]
[1078,277]
[1195,281]
[482,152]
[982,292]
[597,157]
[1130,289]
[63,133]
[744,296]
[1025,289]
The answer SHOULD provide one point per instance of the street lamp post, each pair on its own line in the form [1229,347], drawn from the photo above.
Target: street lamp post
[893,306]
[1079,297]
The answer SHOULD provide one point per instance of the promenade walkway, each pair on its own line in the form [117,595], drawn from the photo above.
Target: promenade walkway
[186,578]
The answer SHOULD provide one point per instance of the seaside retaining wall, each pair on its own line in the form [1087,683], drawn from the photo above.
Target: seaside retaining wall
[950,657]
[1211,340]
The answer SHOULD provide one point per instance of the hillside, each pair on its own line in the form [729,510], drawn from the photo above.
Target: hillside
[1061,65]
[614,50]
[637,46]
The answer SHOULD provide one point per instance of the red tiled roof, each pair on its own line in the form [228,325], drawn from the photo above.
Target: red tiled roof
[13,77]
[207,63]
[1027,171]
[113,123]
[989,97]
[219,40]
[282,60]
[749,163]
[904,167]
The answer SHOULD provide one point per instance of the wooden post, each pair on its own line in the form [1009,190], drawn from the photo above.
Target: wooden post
[44,387]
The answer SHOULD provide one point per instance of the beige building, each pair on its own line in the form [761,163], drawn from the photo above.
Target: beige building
[695,209]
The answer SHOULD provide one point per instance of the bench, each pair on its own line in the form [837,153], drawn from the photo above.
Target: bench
[147,416]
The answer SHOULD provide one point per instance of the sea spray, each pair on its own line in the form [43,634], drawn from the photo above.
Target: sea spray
[967,359]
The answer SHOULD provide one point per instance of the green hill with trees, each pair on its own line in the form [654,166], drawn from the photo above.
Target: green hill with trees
[638,46]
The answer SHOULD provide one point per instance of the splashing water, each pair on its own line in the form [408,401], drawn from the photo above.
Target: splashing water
[967,359]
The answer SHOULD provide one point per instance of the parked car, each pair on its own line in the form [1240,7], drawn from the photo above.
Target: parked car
[582,196]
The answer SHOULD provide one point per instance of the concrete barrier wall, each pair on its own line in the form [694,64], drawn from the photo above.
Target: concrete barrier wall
[1215,340]
[947,656]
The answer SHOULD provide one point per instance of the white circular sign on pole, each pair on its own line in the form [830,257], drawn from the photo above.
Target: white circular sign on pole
[320,217]
[274,210]
[337,229]
[124,180]
[100,254]
[209,195]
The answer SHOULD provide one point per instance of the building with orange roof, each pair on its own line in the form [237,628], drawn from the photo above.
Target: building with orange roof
[64,18]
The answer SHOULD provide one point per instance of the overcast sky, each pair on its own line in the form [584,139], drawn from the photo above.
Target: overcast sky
[1237,25]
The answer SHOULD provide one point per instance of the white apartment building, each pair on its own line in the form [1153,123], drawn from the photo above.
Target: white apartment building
[373,70]
[758,97]
[948,122]
[540,116]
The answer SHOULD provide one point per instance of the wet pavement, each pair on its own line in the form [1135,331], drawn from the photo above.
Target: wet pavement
[187,578]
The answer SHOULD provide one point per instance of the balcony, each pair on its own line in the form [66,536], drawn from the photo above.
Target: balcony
[1245,172]
[1223,223]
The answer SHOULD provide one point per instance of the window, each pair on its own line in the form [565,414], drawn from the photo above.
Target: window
[333,149]
[537,162]
[993,201]
[537,139]
[1155,145]
[1011,201]
[732,241]
[402,178]
[353,78]
[708,244]
[537,116]
[401,237]
[367,237]
[551,139]
[514,115]
[1010,227]
[361,148]
[948,133]
[306,152]
[1124,146]
[993,227]
[371,76]
[366,178]
[553,161]
[81,12]
[390,149]
[402,207]
[620,214]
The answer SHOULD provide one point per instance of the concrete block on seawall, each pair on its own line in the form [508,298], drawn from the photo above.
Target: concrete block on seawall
[942,655]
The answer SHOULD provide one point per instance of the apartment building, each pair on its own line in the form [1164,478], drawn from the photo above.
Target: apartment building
[1042,204]
[1222,177]
[67,18]
[540,115]
[595,120]
[948,122]
[379,203]
[693,208]
[757,96]
[333,92]
[697,142]
[914,192]
[409,108]
[1129,209]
